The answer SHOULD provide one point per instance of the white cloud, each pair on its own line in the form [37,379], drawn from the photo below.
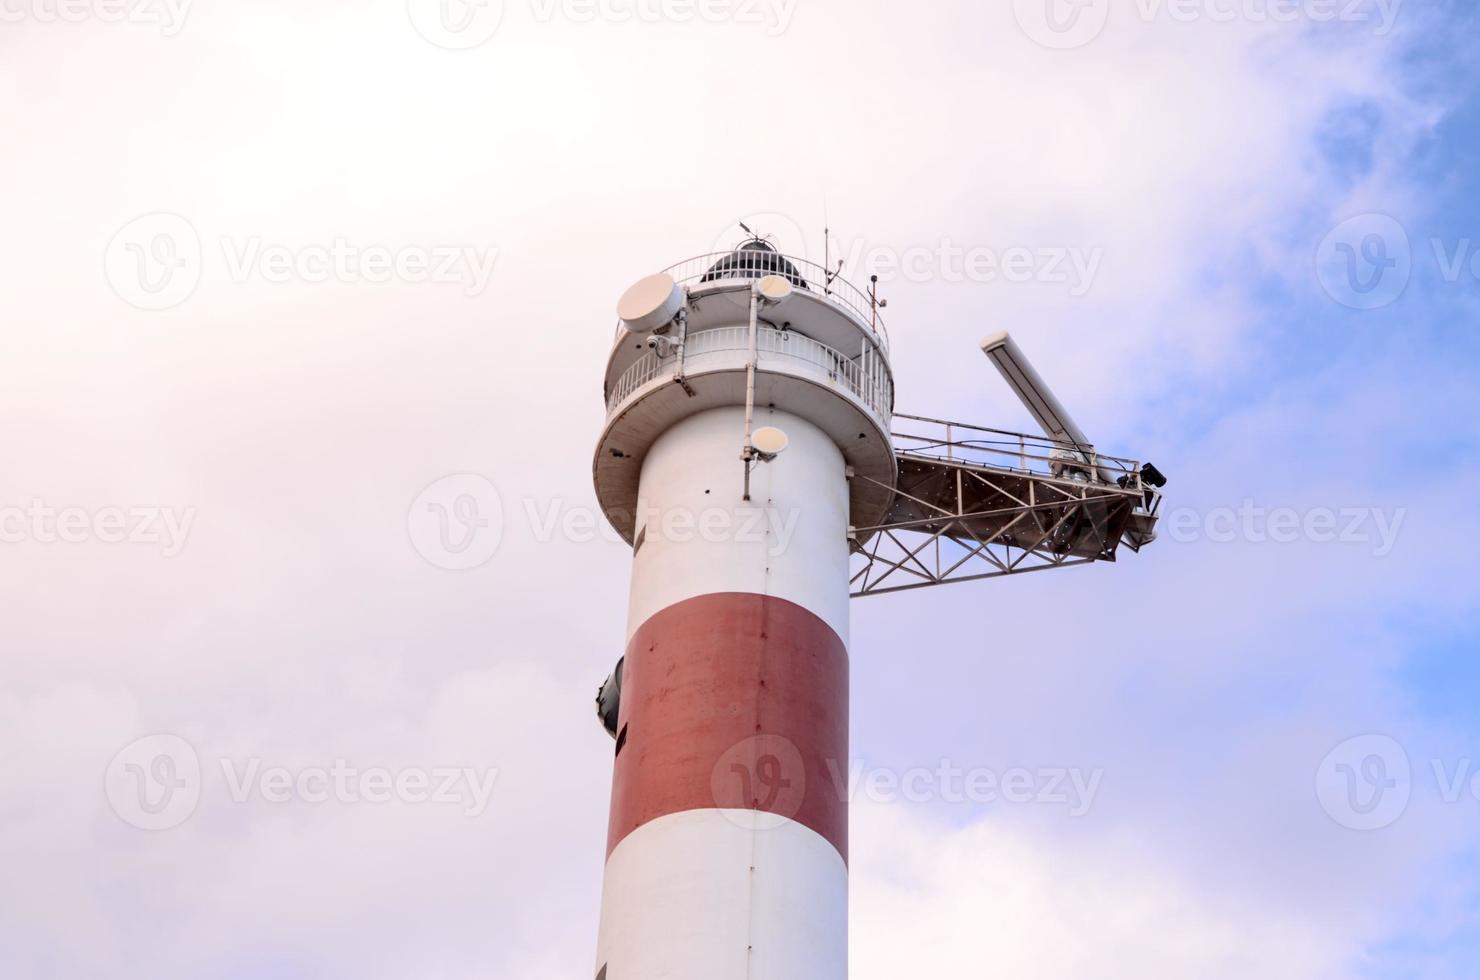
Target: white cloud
[1006,900]
[301,420]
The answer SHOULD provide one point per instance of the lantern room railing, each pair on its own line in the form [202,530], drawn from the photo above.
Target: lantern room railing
[722,269]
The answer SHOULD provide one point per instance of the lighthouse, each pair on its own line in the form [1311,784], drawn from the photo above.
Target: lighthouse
[753,459]
[745,393]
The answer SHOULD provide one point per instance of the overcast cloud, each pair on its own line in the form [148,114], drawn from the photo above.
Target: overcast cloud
[396,262]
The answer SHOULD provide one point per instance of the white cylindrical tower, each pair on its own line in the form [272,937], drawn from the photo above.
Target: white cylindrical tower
[728,836]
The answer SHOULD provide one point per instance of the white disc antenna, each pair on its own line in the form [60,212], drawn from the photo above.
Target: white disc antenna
[773,289]
[651,303]
[769,442]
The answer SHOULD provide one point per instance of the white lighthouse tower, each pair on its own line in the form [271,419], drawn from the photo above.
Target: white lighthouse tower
[728,844]
[749,458]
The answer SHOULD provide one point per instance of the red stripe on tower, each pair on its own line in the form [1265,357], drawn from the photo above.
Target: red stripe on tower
[734,701]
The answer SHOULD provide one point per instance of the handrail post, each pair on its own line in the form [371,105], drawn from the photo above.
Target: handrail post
[748,452]
[683,340]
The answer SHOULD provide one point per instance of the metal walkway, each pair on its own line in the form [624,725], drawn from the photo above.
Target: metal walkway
[974,503]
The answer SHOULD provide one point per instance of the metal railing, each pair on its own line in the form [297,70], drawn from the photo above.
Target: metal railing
[864,375]
[956,442]
[646,368]
[745,265]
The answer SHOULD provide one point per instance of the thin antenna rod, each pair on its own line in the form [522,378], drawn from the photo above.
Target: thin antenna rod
[828,272]
[875,304]
[826,248]
[747,451]
[826,256]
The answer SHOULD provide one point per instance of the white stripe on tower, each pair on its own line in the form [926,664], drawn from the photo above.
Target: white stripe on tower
[727,850]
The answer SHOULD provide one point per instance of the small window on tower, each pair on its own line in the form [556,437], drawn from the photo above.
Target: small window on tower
[641,537]
[622,740]
[601,974]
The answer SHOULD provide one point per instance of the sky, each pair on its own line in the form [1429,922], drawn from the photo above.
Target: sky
[277,276]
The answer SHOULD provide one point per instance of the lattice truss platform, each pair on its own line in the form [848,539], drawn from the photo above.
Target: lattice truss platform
[974,503]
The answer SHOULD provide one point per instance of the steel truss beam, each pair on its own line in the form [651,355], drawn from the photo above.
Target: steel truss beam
[961,521]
